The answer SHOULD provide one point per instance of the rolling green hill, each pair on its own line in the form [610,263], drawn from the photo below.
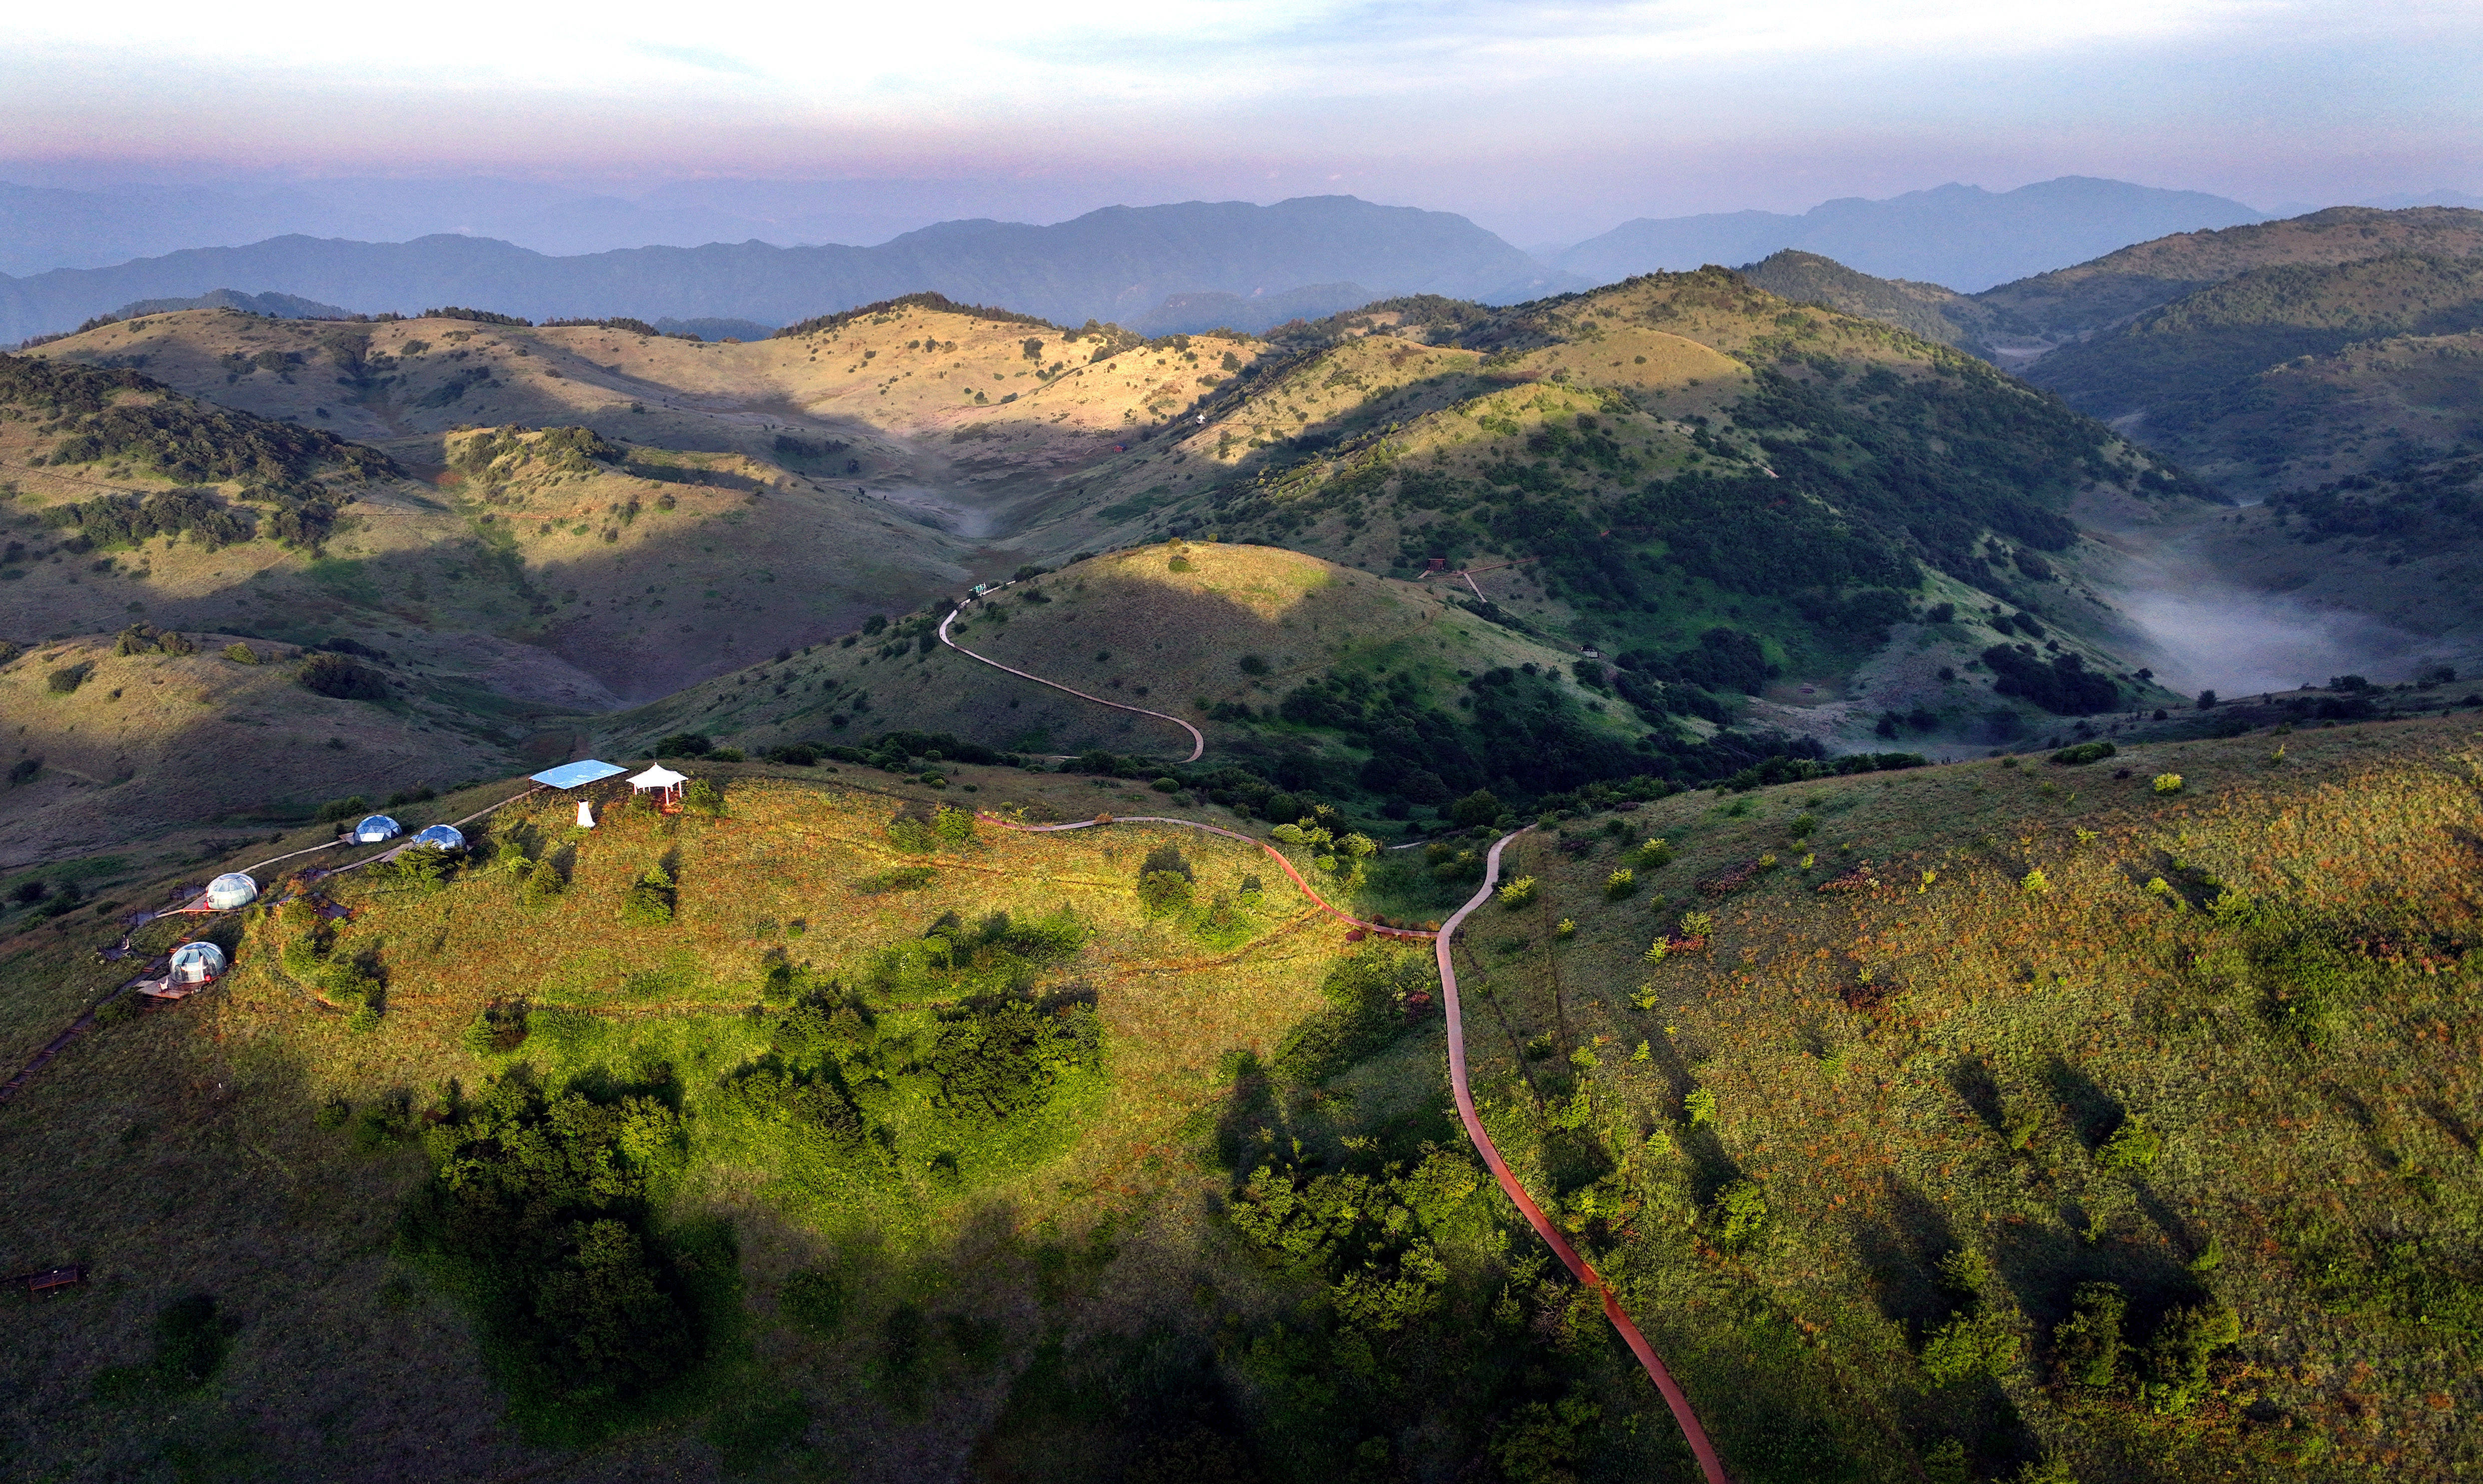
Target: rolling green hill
[1991,1122]
[2180,365]
[1925,310]
[1790,524]
[2055,307]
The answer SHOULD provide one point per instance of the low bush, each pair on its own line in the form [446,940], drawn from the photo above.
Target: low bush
[2082,754]
[650,900]
[1742,1214]
[340,679]
[2089,1344]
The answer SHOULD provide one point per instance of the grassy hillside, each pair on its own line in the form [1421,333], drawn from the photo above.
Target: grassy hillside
[1680,453]
[2049,1027]
[1786,521]
[860,459]
[115,739]
[2179,364]
[1925,310]
[1315,678]
[889,1183]
[2058,305]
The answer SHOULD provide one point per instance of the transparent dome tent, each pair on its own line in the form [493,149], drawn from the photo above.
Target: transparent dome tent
[375,828]
[230,890]
[195,965]
[445,836]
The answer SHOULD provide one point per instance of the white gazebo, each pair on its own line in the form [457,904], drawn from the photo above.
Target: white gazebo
[664,784]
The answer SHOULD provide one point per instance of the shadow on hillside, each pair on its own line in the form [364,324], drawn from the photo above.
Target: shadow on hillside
[1903,1253]
[1222,642]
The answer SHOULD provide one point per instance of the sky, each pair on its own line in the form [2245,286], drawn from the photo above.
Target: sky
[1546,123]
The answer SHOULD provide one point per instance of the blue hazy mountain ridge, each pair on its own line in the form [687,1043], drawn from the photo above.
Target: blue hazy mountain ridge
[1959,236]
[1257,313]
[46,227]
[1116,263]
[283,306]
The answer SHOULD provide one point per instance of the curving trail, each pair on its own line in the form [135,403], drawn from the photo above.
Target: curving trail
[1709,1463]
[1273,854]
[1197,738]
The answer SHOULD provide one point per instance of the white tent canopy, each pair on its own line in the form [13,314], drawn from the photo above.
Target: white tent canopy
[658,777]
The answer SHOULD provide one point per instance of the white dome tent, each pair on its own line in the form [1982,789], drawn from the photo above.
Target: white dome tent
[376,829]
[230,890]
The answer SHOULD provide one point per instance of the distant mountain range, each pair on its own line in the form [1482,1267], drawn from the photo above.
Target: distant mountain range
[1960,236]
[1121,263]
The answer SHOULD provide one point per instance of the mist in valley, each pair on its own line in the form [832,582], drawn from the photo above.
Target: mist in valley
[2206,636]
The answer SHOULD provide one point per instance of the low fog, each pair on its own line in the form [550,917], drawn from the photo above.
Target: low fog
[2236,642]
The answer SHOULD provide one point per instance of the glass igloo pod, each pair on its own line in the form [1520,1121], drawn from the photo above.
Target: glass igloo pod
[230,890]
[375,828]
[445,836]
[195,965]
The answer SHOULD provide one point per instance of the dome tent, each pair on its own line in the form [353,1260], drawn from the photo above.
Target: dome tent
[193,964]
[375,828]
[230,890]
[445,836]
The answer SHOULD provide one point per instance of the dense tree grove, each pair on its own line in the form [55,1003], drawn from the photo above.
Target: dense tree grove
[538,1213]
[2064,685]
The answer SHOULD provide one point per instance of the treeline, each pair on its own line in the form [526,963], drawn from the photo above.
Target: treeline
[477,316]
[127,519]
[2413,504]
[176,437]
[2062,685]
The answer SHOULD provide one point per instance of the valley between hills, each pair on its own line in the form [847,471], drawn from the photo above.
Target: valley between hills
[1968,1051]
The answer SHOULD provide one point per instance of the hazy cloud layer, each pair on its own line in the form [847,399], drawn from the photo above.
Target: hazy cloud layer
[1545,122]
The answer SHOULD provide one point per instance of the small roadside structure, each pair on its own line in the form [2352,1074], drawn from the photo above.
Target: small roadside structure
[666,784]
[230,890]
[376,829]
[445,836]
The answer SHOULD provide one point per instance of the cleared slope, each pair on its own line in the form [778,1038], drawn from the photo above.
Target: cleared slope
[753,496]
[1849,1155]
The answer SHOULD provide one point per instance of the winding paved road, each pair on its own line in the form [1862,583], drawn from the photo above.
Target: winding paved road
[1197,738]
[1708,1463]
